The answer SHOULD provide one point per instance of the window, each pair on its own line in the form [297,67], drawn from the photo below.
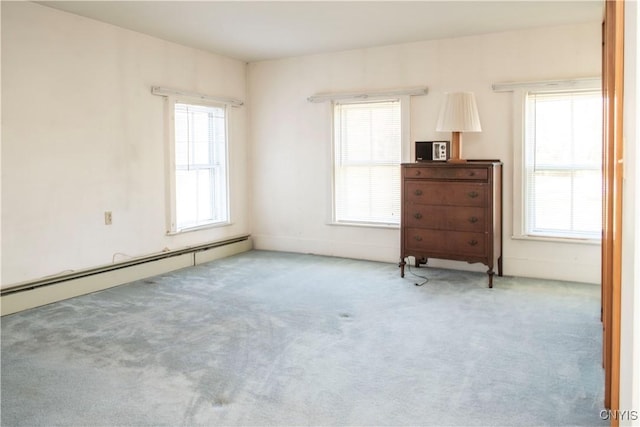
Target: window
[199,172]
[367,153]
[562,157]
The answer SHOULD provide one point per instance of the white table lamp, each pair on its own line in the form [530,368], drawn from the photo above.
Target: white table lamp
[459,113]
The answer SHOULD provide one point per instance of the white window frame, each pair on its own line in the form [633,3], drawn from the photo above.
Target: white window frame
[170,104]
[405,151]
[520,91]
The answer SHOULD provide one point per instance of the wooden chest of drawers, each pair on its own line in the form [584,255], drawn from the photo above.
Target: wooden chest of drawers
[452,211]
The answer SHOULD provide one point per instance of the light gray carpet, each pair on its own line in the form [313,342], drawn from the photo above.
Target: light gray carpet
[267,338]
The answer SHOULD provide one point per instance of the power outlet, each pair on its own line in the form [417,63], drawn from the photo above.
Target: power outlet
[108,218]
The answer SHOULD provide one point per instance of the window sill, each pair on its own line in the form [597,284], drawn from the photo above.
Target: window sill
[570,240]
[366,225]
[199,228]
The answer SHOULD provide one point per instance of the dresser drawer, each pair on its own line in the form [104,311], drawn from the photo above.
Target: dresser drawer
[424,241]
[457,173]
[445,217]
[445,193]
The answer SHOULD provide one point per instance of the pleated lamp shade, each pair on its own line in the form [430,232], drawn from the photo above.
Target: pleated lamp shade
[458,114]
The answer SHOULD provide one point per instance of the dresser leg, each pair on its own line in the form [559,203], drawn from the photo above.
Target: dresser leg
[490,273]
[401,264]
[500,266]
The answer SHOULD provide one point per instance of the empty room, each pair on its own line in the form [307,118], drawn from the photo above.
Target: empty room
[319,213]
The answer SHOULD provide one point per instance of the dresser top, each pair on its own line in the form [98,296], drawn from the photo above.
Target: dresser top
[467,164]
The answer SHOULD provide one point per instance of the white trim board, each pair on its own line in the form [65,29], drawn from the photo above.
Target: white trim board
[368,95]
[551,85]
[38,296]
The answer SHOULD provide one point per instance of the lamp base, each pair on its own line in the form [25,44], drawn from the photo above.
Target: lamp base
[456,148]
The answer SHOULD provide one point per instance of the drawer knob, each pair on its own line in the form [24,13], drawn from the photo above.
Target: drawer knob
[472,173]
[418,192]
[472,242]
[473,220]
[473,194]
[417,215]
[418,238]
[418,172]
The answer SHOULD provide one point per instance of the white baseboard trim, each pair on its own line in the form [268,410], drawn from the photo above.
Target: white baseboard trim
[213,254]
[27,298]
[576,271]
[369,251]
[532,268]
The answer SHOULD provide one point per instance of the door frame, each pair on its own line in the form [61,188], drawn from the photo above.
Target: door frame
[612,169]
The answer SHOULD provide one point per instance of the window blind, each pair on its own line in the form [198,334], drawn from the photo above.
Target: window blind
[367,162]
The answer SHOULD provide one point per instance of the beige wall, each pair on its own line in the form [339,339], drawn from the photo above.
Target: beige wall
[82,134]
[290,138]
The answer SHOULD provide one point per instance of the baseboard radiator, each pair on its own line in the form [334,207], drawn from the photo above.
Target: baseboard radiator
[45,291]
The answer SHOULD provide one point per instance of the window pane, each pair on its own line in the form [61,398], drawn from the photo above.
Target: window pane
[219,204]
[587,200]
[202,137]
[563,152]
[588,132]
[352,193]
[385,182]
[385,134]
[552,131]
[186,197]
[205,195]
[356,135]
[551,207]
[200,175]
[181,137]
[368,194]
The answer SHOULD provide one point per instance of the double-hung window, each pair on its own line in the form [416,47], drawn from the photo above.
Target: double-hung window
[367,153]
[199,167]
[561,164]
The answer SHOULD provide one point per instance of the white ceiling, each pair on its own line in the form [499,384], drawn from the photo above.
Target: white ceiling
[262,30]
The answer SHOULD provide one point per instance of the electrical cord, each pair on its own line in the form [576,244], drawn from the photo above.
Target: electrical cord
[425,279]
